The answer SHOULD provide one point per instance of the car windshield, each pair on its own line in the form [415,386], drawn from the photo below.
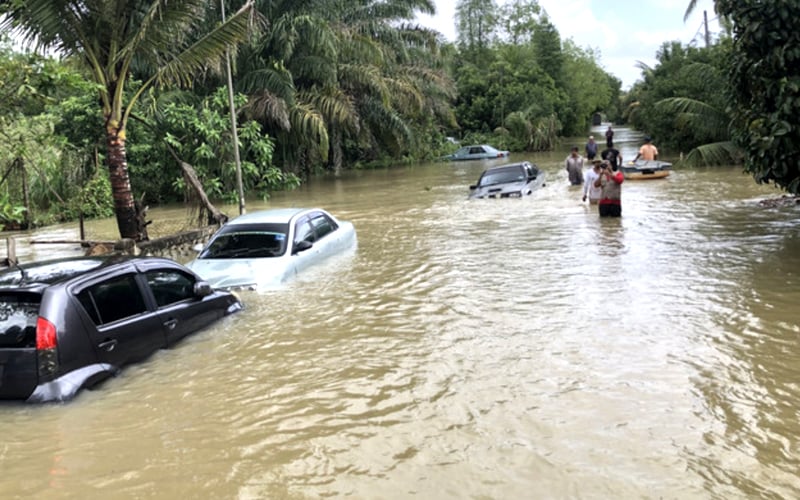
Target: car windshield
[502,176]
[247,242]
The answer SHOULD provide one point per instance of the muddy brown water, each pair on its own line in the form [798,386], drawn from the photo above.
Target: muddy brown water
[466,349]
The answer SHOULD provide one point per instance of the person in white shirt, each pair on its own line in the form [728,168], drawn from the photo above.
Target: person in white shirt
[589,189]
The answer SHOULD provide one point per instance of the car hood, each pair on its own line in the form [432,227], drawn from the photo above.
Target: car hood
[502,190]
[239,273]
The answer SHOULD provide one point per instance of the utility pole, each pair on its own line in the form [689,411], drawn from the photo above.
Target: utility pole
[705,23]
[234,133]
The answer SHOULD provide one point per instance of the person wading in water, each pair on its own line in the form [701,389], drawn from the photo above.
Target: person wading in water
[610,183]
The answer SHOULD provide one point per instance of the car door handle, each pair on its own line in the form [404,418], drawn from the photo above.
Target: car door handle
[108,345]
[171,324]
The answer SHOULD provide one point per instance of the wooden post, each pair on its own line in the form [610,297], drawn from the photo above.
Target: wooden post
[11,247]
[26,197]
[80,225]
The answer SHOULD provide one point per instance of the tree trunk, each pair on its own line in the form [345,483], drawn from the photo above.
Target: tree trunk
[336,150]
[124,204]
[214,215]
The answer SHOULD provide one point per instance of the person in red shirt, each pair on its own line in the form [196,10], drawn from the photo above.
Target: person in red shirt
[610,184]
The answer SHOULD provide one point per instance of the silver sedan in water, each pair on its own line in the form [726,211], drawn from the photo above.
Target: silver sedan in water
[477,152]
[267,247]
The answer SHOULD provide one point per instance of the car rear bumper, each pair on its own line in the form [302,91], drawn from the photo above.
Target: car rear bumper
[66,386]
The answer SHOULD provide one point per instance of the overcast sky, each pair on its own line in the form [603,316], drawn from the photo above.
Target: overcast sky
[622,31]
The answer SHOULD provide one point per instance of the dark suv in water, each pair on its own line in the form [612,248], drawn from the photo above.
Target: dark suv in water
[70,323]
[512,180]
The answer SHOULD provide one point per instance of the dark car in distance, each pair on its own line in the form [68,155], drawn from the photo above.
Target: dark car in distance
[512,180]
[68,324]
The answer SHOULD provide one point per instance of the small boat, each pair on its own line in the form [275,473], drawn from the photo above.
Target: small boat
[646,169]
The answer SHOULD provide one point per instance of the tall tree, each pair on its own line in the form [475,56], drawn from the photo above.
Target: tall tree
[110,37]
[519,19]
[477,23]
[547,50]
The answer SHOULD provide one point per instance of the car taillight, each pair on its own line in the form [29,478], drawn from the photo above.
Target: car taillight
[46,337]
[46,346]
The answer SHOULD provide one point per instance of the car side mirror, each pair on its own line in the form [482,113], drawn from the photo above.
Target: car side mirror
[198,247]
[474,186]
[202,289]
[302,246]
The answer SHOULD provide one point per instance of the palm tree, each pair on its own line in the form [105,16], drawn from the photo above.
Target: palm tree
[689,9]
[389,74]
[327,71]
[698,115]
[707,121]
[159,38]
[295,52]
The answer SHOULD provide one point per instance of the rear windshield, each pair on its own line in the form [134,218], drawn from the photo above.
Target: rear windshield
[18,313]
[48,271]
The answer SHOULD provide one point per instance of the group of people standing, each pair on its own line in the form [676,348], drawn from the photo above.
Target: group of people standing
[602,184]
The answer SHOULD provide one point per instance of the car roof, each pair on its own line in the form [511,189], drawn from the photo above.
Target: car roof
[276,215]
[54,271]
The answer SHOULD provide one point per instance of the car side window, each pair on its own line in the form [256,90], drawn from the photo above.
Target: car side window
[304,231]
[170,286]
[323,224]
[113,299]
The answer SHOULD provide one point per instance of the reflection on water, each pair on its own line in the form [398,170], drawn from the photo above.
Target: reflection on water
[486,348]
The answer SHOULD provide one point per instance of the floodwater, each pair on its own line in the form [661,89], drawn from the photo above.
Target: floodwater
[467,349]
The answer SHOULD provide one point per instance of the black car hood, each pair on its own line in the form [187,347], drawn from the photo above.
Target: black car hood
[504,190]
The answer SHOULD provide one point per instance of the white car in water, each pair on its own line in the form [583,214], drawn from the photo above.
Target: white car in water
[267,247]
[477,152]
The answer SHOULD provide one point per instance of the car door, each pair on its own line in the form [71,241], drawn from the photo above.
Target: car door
[328,238]
[180,310]
[304,231]
[122,327]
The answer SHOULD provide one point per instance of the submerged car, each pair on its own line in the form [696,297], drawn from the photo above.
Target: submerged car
[265,248]
[477,152]
[68,324]
[512,180]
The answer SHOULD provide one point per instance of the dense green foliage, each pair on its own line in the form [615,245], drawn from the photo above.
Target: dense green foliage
[765,82]
[342,83]
[47,174]
[682,102]
[518,82]
[199,134]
